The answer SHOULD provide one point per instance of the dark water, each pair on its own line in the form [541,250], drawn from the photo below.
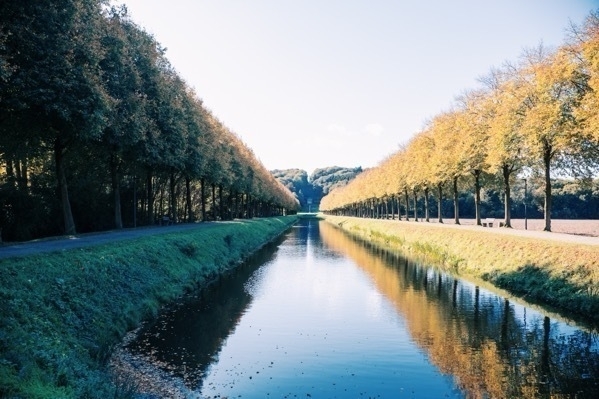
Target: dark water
[322,316]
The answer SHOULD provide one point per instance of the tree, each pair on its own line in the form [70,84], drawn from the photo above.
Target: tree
[449,138]
[549,96]
[507,153]
[122,81]
[56,82]
[584,48]
[421,149]
[474,127]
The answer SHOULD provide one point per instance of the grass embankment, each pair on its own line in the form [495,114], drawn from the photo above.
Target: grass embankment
[561,275]
[61,313]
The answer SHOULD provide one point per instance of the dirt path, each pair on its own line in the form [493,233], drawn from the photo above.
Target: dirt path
[63,243]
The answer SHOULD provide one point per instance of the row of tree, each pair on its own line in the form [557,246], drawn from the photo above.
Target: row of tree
[528,119]
[97,130]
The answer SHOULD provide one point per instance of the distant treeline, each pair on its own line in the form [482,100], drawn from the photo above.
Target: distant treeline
[537,118]
[98,131]
[320,183]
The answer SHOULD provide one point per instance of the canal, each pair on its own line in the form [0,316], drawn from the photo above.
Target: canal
[320,315]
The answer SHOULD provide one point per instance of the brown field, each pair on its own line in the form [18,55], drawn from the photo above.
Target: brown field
[567,226]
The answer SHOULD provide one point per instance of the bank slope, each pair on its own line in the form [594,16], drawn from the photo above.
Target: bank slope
[61,313]
[559,274]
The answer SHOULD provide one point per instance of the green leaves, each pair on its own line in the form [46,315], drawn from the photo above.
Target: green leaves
[89,98]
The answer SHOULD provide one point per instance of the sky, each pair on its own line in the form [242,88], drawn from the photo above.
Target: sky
[314,83]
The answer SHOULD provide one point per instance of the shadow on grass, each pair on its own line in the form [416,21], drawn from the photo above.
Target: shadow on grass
[536,285]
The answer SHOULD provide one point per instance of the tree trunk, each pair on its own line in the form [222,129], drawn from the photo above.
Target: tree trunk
[386,211]
[10,172]
[21,173]
[375,209]
[116,191]
[230,204]
[456,203]
[405,192]
[440,205]
[150,195]
[143,202]
[173,198]
[241,206]
[190,217]
[69,222]
[426,216]
[237,201]
[203,198]
[220,202]
[213,209]
[25,177]
[17,172]
[415,205]
[507,197]
[248,206]
[547,155]
[476,173]
[134,201]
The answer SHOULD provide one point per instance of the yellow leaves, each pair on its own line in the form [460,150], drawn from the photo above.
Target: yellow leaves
[550,95]
[588,53]
[420,154]
[526,114]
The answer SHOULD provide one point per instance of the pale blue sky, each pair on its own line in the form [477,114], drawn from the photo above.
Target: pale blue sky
[317,83]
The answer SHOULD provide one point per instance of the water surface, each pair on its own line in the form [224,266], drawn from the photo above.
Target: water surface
[321,315]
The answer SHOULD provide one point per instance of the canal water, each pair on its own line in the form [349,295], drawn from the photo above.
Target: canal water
[321,315]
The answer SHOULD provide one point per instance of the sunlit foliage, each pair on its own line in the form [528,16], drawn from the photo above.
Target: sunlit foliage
[529,119]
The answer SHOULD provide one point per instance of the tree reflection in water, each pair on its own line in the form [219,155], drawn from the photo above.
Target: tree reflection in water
[492,347]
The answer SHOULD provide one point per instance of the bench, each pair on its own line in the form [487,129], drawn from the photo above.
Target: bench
[488,222]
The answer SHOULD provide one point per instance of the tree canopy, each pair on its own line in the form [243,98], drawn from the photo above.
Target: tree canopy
[99,131]
[530,119]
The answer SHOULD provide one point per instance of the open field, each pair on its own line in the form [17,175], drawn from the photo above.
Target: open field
[566,226]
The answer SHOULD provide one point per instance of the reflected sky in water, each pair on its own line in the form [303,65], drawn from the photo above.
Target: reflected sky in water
[320,315]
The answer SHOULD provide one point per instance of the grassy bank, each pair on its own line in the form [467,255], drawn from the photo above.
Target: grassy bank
[61,313]
[561,275]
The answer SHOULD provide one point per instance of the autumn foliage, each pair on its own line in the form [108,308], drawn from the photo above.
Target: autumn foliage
[528,119]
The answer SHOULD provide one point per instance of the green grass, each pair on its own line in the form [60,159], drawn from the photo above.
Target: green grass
[62,313]
[562,275]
